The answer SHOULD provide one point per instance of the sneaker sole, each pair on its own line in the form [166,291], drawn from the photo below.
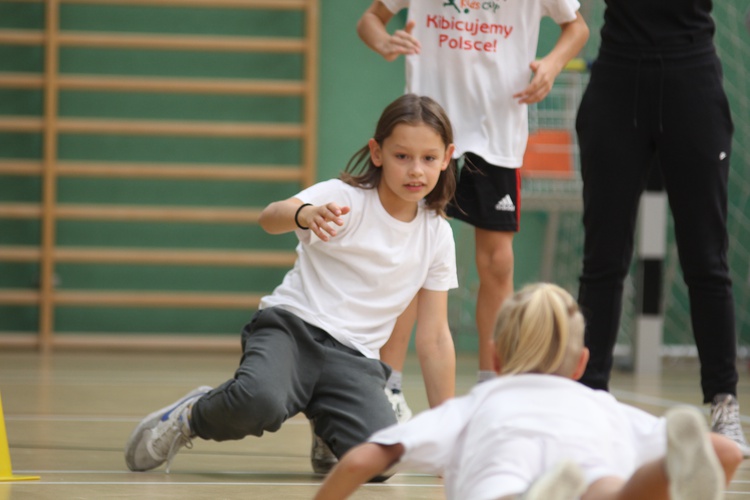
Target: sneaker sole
[136,437]
[692,466]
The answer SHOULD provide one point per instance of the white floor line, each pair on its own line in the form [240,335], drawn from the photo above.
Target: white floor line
[191,473]
[634,397]
[195,483]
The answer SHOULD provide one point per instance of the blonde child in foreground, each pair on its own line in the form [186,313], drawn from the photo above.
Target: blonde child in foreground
[533,433]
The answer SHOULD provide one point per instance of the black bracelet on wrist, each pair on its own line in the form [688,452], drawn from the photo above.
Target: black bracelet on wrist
[296,214]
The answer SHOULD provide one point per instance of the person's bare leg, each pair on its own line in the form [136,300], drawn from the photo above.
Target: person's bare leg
[697,467]
[649,482]
[494,259]
[729,454]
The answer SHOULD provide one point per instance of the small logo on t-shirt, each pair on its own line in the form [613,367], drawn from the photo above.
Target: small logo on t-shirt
[466,6]
[505,204]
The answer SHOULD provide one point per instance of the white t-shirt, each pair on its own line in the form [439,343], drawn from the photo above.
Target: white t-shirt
[475,55]
[508,431]
[355,285]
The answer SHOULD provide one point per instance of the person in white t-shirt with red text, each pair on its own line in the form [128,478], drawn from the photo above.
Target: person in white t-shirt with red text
[478,60]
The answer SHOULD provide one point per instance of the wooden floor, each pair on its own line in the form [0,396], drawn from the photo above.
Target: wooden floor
[68,415]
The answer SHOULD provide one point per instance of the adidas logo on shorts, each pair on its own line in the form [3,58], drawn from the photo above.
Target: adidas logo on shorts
[505,204]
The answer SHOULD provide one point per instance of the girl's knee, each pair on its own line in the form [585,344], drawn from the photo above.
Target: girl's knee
[495,263]
[250,414]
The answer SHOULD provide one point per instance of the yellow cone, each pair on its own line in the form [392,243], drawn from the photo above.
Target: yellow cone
[6,471]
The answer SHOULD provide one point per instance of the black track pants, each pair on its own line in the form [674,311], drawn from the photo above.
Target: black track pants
[671,110]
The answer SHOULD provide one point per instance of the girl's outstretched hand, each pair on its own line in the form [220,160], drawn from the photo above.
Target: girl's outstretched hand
[319,218]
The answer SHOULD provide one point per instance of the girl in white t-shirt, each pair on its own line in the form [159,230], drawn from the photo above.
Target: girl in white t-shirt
[535,433]
[478,60]
[368,243]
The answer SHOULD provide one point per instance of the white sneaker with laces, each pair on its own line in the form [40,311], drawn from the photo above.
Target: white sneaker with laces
[725,420]
[161,434]
[398,402]
[692,466]
[564,482]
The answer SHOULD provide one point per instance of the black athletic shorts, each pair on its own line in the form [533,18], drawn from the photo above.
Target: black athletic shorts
[487,196]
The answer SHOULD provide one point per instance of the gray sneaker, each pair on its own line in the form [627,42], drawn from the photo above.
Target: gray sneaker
[692,466]
[160,435]
[725,420]
[564,482]
[322,458]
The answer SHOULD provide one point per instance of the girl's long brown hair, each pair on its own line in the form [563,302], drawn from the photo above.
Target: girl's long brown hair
[408,109]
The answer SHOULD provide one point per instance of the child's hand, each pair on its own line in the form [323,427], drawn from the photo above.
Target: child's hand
[401,42]
[318,219]
[545,73]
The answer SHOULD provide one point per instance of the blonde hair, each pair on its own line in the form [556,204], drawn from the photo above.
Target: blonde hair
[539,330]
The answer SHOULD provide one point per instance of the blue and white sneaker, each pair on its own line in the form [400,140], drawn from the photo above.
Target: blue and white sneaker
[160,435]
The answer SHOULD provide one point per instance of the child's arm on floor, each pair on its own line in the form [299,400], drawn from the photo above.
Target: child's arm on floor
[356,467]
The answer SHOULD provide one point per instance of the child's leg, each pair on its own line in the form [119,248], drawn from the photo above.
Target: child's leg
[494,259]
[697,465]
[280,366]
[273,381]
[348,404]
[488,198]
[393,353]
[729,454]
[649,482]
[564,482]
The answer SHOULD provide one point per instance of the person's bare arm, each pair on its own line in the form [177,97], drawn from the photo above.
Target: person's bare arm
[573,36]
[278,217]
[356,467]
[434,345]
[371,28]
[394,352]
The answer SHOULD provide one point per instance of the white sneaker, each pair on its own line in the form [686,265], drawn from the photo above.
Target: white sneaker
[725,420]
[398,402]
[564,482]
[692,466]
[322,458]
[160,435]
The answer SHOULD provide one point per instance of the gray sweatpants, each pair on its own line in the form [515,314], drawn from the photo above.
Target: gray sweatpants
[289,366]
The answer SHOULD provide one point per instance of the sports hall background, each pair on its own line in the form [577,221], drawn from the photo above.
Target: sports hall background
[352,86]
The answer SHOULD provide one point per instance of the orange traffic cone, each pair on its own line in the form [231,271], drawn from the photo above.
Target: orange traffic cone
[6,471]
